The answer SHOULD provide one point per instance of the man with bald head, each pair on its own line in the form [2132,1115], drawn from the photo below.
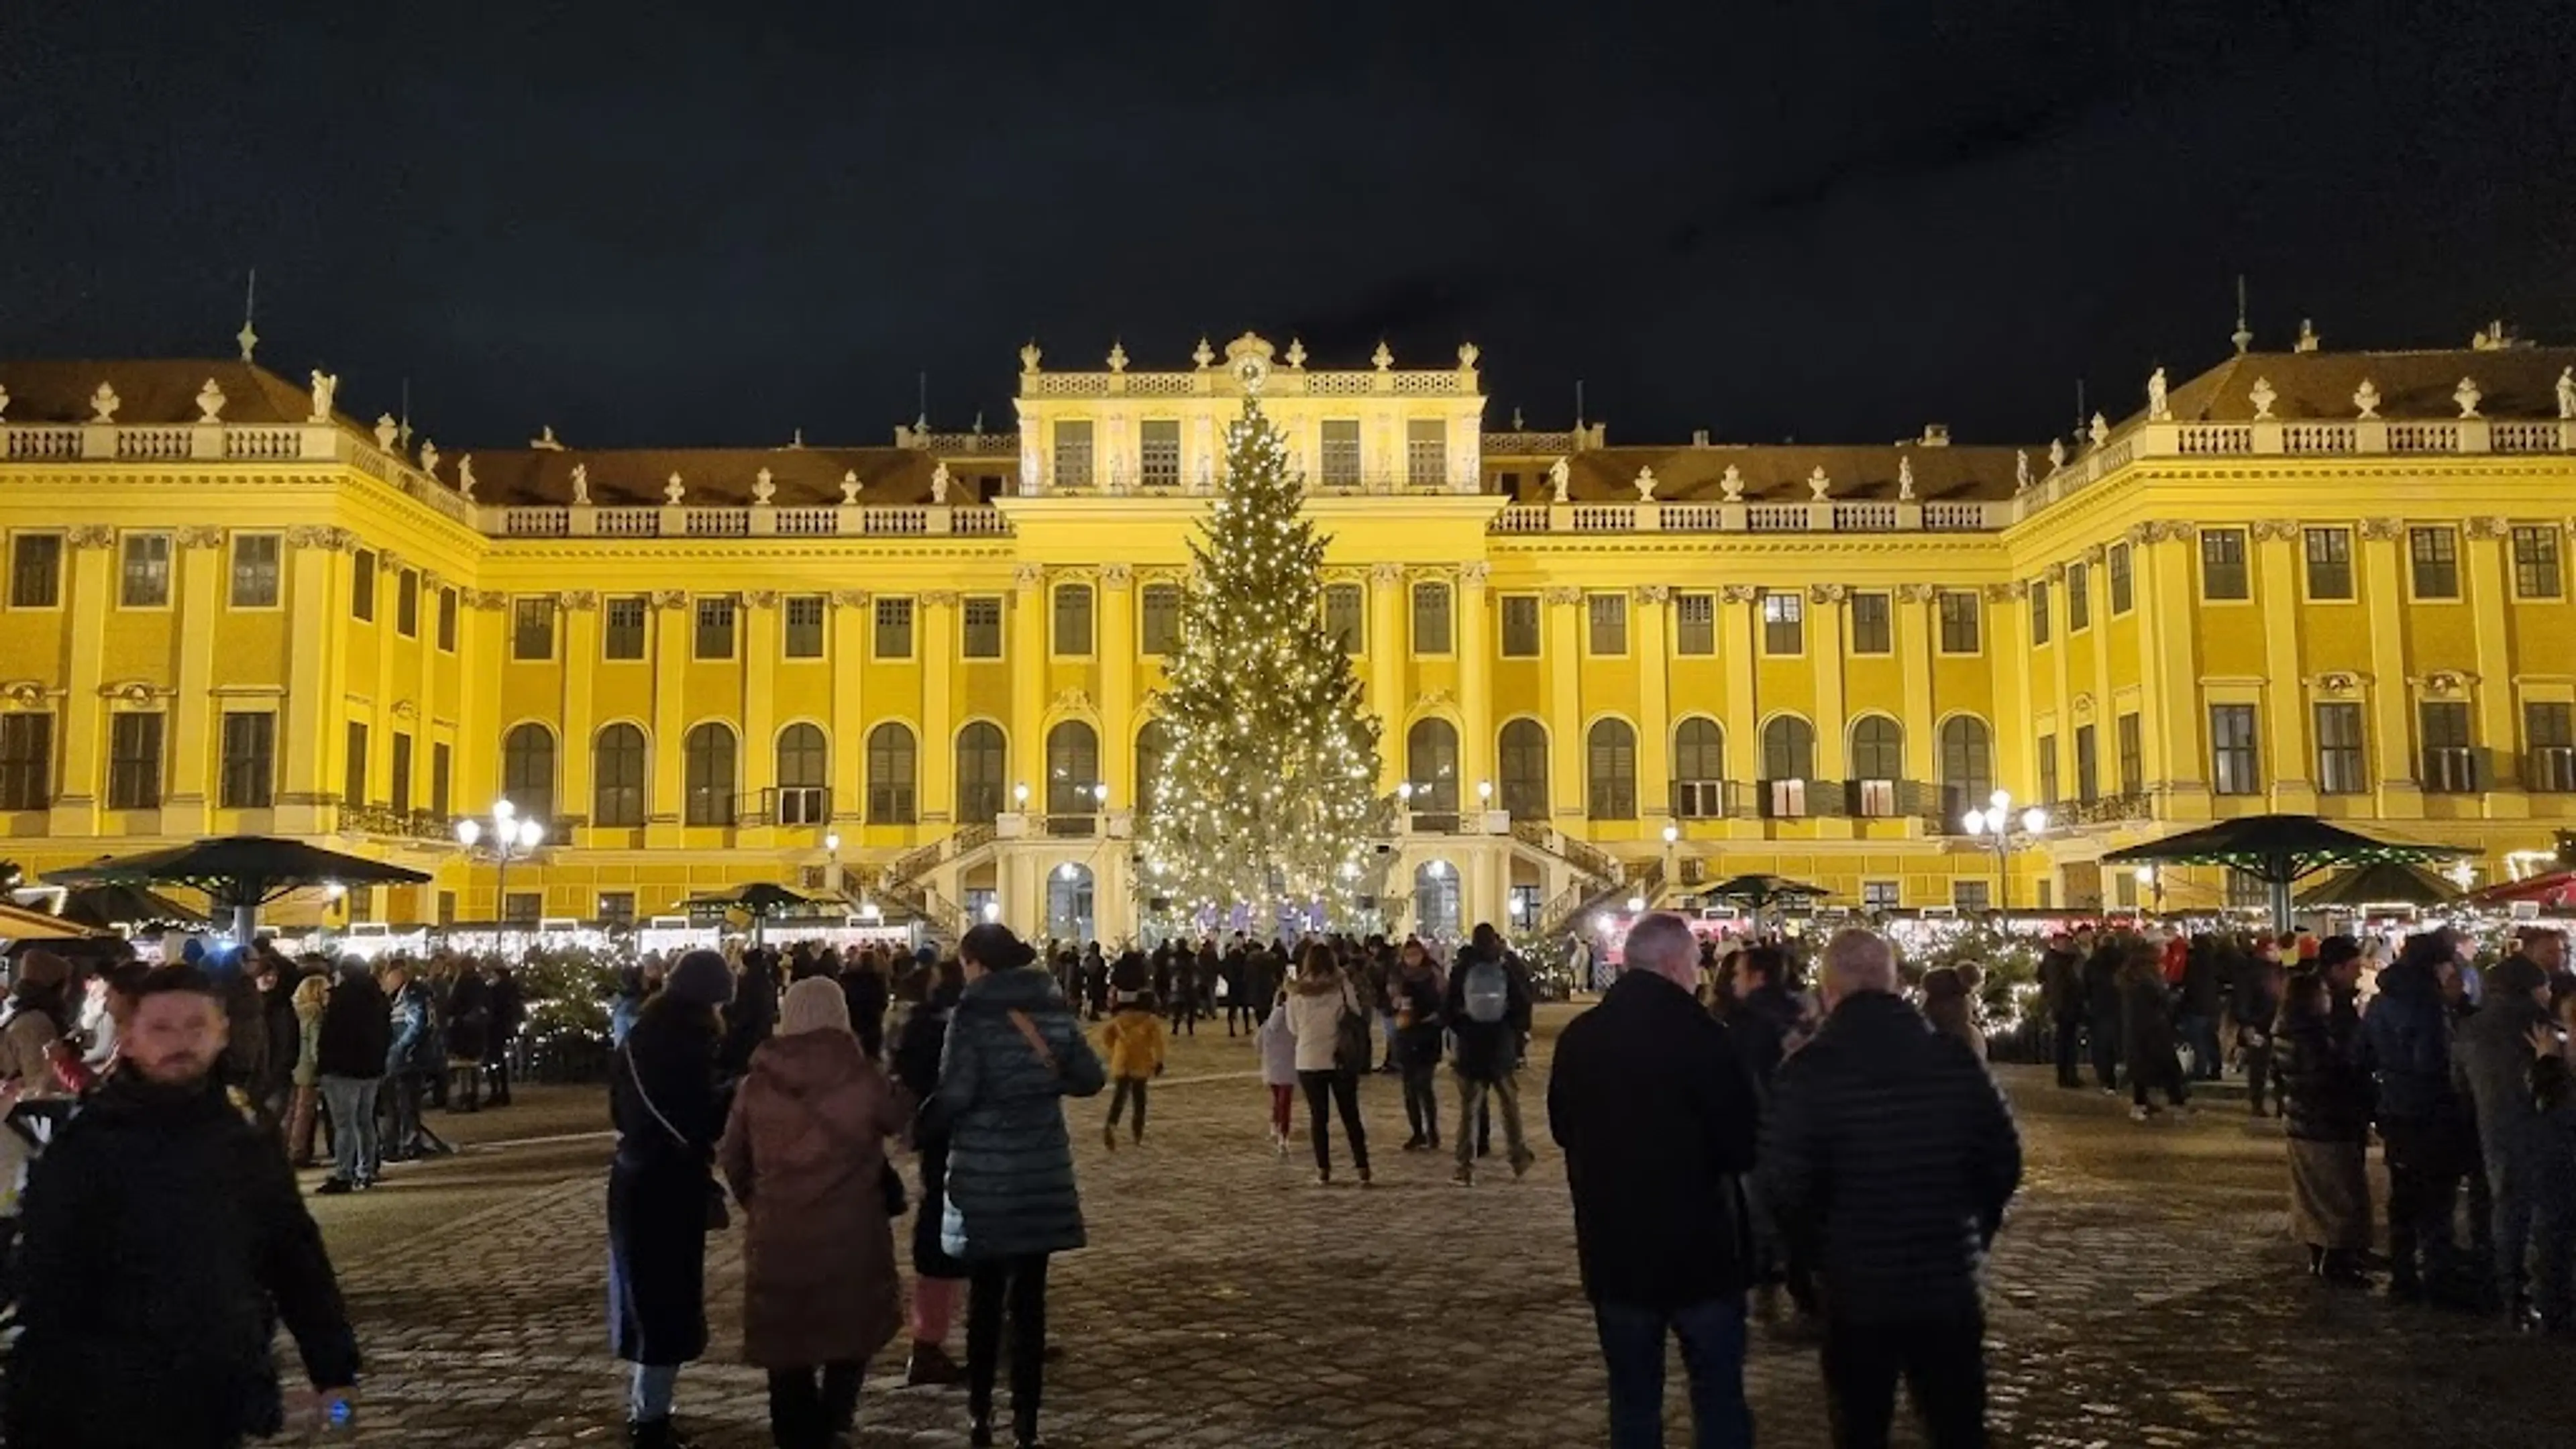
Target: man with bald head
[1656,1112]
[1886,1162]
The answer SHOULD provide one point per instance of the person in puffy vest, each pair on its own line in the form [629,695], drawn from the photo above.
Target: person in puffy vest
[1489,1013]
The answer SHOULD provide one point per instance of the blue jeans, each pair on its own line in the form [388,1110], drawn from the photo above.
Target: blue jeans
[356,1154]
[655,1385]
[1632,1345]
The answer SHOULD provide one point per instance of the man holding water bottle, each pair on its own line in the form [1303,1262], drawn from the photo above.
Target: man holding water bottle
[162,1239]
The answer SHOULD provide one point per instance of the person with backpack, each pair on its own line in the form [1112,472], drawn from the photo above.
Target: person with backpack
[1489,1016]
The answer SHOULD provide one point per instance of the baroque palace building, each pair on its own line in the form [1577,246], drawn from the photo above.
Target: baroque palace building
[2312,581]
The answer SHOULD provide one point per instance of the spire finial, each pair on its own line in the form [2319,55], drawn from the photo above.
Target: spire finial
[247,337]
[2243,336]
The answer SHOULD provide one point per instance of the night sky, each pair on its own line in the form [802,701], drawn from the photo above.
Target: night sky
[697,224]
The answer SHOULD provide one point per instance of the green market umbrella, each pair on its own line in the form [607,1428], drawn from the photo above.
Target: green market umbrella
[1760,892]
[2280,851]
[760,900]
[2385,883]
[124,903]
[240,873]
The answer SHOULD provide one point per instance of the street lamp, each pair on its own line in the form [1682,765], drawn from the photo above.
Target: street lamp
[1020,796]
[832,861]
[1100,796]
[2155,885]
[1997,822]
[512,837]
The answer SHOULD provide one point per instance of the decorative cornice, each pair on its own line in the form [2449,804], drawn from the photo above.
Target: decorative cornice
[851,598]
[1917,593]
[489,599]
[2274,530]
[23,693]
[2487,527]
[1073,698]
[669,598]
[1473,575]
[134,691]
[1387,575]
[1029,576]
[1729,593]
[2382,529]
[1564,594]
[2338,681]
[323,536]
[2055,573]
[1117,576]
[2082,706]
[940,598]
[2005,593]
[761,598]
[2445,682]
[1828,593]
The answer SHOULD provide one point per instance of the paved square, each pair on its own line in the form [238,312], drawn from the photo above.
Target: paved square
[2143,1294]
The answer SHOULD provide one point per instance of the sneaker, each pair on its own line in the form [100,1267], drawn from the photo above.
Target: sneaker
[1521,1163]
[335,1187]
[1465,1176]
[2141,1112]
[930,1367]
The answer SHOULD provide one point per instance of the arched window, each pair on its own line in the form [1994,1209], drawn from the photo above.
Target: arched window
[1877,758]
[617,775]
[1435,899]
[528,770]
[709,752]
[1153,748]
[982,761]
[1431,766]
[1073,767]
[1788,760]
[1524,769]
[1699,769]
[1610,772]
[890,775]
[1967,766]
[804,776]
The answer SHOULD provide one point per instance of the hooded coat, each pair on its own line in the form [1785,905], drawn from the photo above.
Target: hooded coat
[668,1112]
[1010,1190]
[804,1149]
[2406,1044]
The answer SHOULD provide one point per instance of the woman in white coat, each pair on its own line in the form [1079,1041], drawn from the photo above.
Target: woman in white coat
[1318,1004]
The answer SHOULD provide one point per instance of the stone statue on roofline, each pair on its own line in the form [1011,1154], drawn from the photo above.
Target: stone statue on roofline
[939,484]
[2159,404]
[581,484]
[1904,478]
[2566,393]
[2021,470]
[1730,487]
[324,385]
[1560,479]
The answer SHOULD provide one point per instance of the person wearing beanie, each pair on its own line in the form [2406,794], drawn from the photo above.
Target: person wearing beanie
[669,1112]
[805,1151]
[2521,1151]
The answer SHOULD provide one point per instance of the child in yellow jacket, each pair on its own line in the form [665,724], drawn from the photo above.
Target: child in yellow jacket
[1133,1044]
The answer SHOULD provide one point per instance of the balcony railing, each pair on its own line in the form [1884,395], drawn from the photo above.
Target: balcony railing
[794,805]
[386,821]
[935,520]
[2550,770]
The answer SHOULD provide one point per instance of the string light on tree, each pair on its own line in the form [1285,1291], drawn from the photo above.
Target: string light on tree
[1266,797]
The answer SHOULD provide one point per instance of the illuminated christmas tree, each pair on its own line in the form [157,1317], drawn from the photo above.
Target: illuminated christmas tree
[1267,798]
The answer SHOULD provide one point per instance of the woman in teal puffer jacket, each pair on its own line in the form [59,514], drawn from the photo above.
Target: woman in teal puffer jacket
[1014,1050]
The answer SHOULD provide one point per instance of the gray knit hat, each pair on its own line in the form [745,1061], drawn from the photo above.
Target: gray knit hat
[700,978]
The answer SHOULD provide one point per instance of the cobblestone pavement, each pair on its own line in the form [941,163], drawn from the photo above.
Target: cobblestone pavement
[2143,1294]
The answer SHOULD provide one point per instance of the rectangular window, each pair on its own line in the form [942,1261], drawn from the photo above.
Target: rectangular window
[2079,597]
[1426,452]
[1880,895]
[617,908]
[1958,622]
[715,630]
[622,636]
[2535,563]
[250,761]
[447,908]
[2048,769]
[1158,453]
[1431,618]
[144,582]
[398,794]
[2342,767]
[255,559]
[407,603]
[523,908]
[2222,564]
[980,630]
[1158,617]
[26,761]
[804,632]
[353,785]
[360,902]
[2235,765]
[1341,453]
[2088,763]
[440,758]
[2123,588]
[2549,732]
[532,627]
[1346,616]
[447,620]
[134,762]
[2329,563]
[1971,897]
[2038,611]
[894,628]
[36,571]
[1073,454]
[1607,618]
[2133,756]
[1695,623]
[2450,760]
[1072,634]
[1784,623]
[362,587]
[2435,554]
[1520,626]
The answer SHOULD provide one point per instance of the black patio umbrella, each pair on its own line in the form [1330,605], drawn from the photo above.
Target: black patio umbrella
[2386,883]
[1760,892]
[2280,851]
[123,903]
[761,900]
[240,873]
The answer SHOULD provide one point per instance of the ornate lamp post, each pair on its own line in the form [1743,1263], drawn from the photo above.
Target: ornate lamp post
[512,837]
[1996,822]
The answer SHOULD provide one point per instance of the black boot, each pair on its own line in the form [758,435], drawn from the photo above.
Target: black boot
[656,1434]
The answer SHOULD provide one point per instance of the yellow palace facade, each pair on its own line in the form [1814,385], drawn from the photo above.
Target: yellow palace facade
[922,674]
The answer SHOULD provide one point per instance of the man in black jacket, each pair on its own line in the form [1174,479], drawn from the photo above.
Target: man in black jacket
[2061,990]
[1655,1110]
[2104,1016]
[1887,1158]
[349,1060]
[1488,1010]
[162,1237]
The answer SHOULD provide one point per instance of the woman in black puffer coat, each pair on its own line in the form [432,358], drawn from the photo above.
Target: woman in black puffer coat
[2147,1033]
[2325,1105]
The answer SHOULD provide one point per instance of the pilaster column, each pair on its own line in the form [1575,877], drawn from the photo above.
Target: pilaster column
[1650,607]
[852,613]
[1028,687]
[938,746]
[669,802]
[2391,732]
[2285,713]
[2061,735]
[579,610]
[184,811]
[390,719]
[75,807]
[1568,782]
[316,584]
[2173,674]
[1739,616]
[1388,645]
[1908,609]
[476,773]
[1114,645]
[2489,583]
[2016,741]
[759,690]
[1475,683]
[2106,712]
[1826,604]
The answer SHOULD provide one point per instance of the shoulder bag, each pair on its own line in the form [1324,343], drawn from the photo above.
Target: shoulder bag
[718,1218]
